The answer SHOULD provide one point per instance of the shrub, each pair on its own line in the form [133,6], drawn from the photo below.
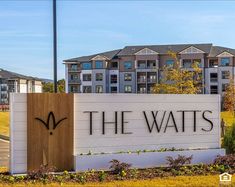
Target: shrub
[179,161]
[41,173]
[229,140]
[102,176]
[118,167]
[227,160]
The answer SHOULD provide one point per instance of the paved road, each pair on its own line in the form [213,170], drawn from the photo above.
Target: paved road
[4,153]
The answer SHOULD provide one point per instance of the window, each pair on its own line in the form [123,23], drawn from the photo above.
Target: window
[74,89]
[74,67]
[86,89]
[142,90]
[99,76]
[213,77]
[99,89]
[114,64]
[213,63]
[170,63]
[73,77]
[151,63]
[127,65]
[86,77]
[214,89]
[225,74]
[187,63]
[113,89]
[128,89]
[152,79]
[86,65]
[141,64]
[99,64]
[224,86]
[127,77]
[225,61]
[113,79]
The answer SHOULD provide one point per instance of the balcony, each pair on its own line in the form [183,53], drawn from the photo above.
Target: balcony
[152,80]
[141,80]
[75,81]
[214,91]
[74,70]
[141,91]
[214,79]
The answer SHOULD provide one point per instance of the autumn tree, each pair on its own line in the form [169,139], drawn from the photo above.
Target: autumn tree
[49,86]
[229,97]
[178,80]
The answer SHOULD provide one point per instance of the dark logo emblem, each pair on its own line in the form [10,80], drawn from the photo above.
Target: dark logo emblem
[55,124]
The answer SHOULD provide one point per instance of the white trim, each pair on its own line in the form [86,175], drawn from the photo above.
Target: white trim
[100,57]
[146,51]
[225,54]
[191,50]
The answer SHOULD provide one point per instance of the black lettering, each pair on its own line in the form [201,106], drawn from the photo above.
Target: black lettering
[123,123]
[173,119]
[206,119]
[154,121]
[91,119]
[105,122]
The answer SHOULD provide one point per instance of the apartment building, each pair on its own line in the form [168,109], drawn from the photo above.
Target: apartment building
[11,82]
[135,69]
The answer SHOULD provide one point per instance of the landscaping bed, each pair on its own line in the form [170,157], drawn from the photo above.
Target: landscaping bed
[120,171]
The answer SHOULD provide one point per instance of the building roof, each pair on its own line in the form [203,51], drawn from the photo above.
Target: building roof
[163,49]
[208,48]
[11,75]
[108,54]
[216,50]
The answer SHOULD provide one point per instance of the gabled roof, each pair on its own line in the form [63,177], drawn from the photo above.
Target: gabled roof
[11,75]
[163,49]
[217,50]
[109,54]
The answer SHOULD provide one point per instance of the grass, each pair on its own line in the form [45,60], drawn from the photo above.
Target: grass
[228,117]
[4,123]
[181,181]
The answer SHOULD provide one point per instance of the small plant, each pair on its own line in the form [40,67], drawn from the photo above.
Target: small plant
[42,173]
[134,172]
[82,178]
[102,176]
[226,161]
[117,167]
[179,161]
[229,140]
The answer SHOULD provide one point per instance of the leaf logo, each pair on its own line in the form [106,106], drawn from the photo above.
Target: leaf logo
[55,124]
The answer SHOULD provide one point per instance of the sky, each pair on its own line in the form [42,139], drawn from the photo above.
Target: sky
[89,27]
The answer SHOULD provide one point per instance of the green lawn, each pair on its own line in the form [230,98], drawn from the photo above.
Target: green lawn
[4,123]
[228,117]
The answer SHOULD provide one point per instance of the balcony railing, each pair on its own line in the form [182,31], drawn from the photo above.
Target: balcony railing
[214,79]
[75,81]
[214,91]
[141,80]
[141,91]
[152,80]
[74,70]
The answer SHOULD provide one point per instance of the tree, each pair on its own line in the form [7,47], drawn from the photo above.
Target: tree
[48,87]
[229,97]
[177,80]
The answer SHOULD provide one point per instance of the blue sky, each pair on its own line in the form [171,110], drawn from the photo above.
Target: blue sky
[86,27]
